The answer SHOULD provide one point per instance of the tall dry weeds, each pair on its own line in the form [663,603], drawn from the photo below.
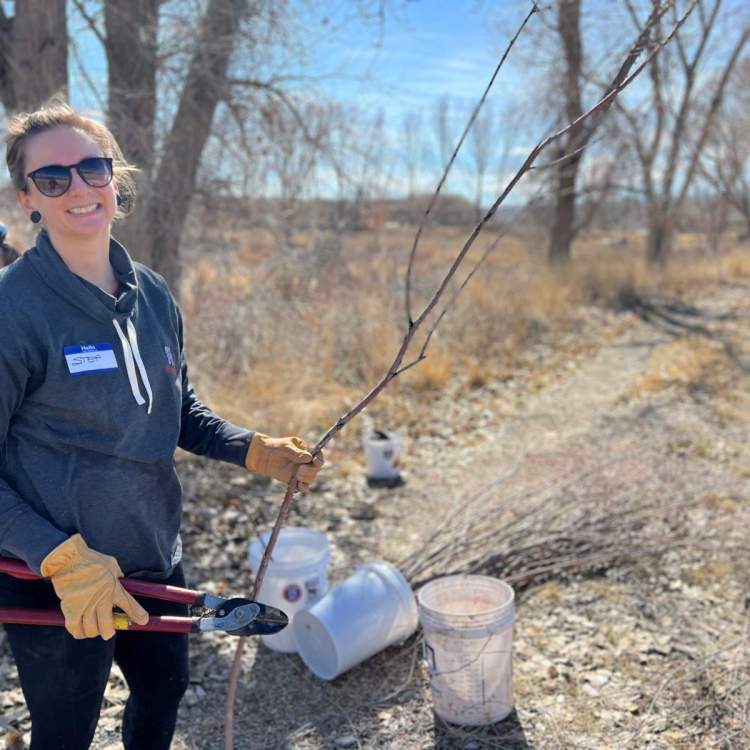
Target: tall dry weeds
[283,339]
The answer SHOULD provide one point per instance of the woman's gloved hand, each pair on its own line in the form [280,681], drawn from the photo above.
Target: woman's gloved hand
[87,583]
[279,457]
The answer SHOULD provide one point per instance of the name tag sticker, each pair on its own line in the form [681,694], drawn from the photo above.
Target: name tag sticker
[90,358]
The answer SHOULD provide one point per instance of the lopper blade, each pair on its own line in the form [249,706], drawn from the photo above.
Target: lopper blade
[268,621]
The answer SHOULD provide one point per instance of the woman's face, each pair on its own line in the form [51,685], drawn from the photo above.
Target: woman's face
[81,212]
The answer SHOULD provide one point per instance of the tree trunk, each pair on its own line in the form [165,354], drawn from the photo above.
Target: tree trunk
[33,54]
[131,56]
[660,235]
[746,237]
[204,88]
[563,228]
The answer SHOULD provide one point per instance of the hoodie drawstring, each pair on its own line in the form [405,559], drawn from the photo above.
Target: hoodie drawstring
[129,350]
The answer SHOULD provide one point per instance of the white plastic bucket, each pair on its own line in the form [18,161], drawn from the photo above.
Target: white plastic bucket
[468,634]
[297,576]
[374,608]
[382,451]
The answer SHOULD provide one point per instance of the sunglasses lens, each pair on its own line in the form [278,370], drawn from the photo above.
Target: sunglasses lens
[97,172]
[52,181]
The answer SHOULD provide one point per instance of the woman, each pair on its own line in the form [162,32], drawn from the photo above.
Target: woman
[94,399]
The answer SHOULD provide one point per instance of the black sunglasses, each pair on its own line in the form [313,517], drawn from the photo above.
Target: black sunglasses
[55,179]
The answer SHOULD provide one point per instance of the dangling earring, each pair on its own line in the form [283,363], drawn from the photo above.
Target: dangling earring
[35,216]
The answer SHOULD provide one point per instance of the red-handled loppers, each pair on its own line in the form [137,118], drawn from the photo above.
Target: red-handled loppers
[236,616]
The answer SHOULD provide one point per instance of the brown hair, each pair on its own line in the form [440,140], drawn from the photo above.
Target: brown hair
[57,113]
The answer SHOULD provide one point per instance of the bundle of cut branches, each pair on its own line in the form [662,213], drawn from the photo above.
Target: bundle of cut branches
[611,512]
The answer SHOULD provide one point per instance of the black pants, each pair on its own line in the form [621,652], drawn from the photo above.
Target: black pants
[63,679]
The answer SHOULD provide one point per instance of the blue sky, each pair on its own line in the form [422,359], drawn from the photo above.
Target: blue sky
[423,49]
[420,51]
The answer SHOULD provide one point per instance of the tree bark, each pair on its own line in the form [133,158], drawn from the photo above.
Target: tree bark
[7,96]
[204,88]
[563,227]
[33,54]
[660,235]
[131,47]
[564,224]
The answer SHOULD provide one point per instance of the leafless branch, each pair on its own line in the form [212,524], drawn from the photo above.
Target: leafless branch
[413,325]
[560,160]
[601,105]
[281,95]
[86,77]
[431,205]
[480,262]
[713,109]
[90,20]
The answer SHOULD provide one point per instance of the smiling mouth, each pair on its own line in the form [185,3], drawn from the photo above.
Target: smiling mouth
[84,209]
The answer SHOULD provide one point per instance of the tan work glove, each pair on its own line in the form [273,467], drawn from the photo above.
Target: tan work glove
[279,457]
[87,584]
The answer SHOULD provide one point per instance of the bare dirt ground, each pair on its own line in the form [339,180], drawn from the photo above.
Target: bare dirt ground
[648,406]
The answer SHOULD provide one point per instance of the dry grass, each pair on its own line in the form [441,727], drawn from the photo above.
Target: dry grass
[694,362]
[290,339]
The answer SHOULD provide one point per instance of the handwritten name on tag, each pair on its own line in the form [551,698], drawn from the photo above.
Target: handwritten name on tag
[89,359]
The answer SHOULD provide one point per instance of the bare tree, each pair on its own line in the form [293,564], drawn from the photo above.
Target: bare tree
[658,127]
[725,163]
[33,53]
[204,88]
[130,42]
[566,224]
[441,119]
[482,144]
[570,153]
[411,130]
[293,160]
[201,77]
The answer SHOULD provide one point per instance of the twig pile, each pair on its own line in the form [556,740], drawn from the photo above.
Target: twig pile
[582,520]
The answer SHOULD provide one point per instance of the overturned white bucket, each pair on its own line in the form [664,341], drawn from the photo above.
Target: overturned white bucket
[297,575]
[468,634]
[374,608]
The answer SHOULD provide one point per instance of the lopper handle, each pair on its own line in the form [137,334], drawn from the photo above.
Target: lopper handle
[53,617]
[136,586]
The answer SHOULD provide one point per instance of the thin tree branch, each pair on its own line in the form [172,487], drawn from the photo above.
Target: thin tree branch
[601,105]
[279,94]
[86,77]
[602,194]
[713,109]
[488,250]
[598,108]
[420,229]
[91,21]
[559,160]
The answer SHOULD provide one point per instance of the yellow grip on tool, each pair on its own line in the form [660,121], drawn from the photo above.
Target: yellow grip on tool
[120,621]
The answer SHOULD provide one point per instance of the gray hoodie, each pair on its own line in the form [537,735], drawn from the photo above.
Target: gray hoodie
[94,399]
